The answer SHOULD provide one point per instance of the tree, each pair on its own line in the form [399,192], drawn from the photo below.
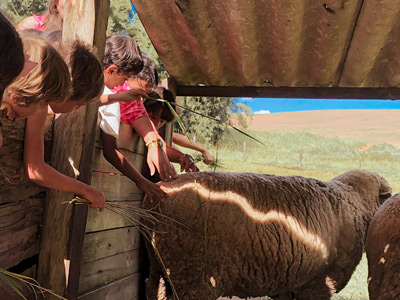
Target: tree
[240,115]
[204,129]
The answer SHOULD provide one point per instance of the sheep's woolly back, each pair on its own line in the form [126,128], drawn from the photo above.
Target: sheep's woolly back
[256,235]
[383,252]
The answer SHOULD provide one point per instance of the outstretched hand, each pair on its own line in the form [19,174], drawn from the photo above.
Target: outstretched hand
[187,164]
[152,190]
[157,159]
[132,95]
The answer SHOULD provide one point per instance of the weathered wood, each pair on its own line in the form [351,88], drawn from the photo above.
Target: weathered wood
[107,243]
[14,186]
[60,255]
[117,187]
[122,289]
[99,272]
[98,221]
[290,92]
[169,84]
[19,230]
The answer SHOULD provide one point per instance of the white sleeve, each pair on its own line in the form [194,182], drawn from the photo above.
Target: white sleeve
[110,116]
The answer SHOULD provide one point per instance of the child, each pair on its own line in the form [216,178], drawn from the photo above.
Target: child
[148,78]
[52,20]
[160,113]
[87,85]
[48,81]
[122,60]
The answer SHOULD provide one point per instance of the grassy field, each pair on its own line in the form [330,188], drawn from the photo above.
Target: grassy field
[321,155]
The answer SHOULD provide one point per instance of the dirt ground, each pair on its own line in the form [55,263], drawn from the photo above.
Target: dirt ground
[370,126]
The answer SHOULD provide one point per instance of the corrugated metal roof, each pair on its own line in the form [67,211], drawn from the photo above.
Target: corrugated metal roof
[293,43]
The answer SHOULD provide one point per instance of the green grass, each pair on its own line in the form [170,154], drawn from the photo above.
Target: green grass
[322,158]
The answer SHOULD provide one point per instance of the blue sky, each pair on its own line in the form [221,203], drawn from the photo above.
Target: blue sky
[275,105]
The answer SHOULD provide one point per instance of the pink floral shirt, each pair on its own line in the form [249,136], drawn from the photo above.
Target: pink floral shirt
[39,22]
[130,111]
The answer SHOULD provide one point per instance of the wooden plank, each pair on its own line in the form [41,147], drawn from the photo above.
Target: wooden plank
[107,243]
[116,187]
[99,272]
[60,255]
[98,221]
[122,289]
[290,92]
[19,230]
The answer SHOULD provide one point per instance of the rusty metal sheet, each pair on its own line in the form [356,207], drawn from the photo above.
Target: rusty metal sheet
[276,43]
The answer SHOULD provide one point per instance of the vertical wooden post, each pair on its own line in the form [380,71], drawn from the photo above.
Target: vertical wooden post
[72,154]
[169,84]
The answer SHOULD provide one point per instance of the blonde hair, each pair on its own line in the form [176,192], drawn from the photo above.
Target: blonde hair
[53,17]
[86,70]
[48,82]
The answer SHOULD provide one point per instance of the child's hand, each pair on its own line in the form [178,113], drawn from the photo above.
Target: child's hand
[153,191]
[157,159]
[187,164]
[208,158]
[95,196]
[132,95]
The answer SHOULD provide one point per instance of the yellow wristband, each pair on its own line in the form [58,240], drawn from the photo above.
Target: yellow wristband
[154,144]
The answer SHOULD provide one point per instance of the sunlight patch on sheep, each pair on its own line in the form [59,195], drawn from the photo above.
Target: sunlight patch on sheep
[293,225]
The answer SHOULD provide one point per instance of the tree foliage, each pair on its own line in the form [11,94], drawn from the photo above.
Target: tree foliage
[16,10]
[204,129]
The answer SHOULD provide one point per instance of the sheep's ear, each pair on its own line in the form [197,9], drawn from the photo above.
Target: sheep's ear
[385,194]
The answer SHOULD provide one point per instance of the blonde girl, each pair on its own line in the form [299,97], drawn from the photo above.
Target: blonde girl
[87,85]
[47,82]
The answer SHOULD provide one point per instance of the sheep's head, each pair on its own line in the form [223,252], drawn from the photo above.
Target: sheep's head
[373,188]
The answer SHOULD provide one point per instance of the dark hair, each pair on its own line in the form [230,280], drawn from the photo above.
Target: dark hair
[85,68]
[12,57]
[149,72]
[122,51]
[86,72]
[153,106]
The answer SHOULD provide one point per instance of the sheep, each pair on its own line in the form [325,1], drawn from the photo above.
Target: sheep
[383,251]
[250,235]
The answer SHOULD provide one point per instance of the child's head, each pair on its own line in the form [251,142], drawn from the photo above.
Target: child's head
[47,82]
[11,54]
[159,112]
[122,59]
[147,78]
[85,68]
[55,15]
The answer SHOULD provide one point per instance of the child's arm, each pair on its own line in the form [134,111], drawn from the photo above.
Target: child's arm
[183,141]
[126,96]
[43,174]
[115,157]
[156,157]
